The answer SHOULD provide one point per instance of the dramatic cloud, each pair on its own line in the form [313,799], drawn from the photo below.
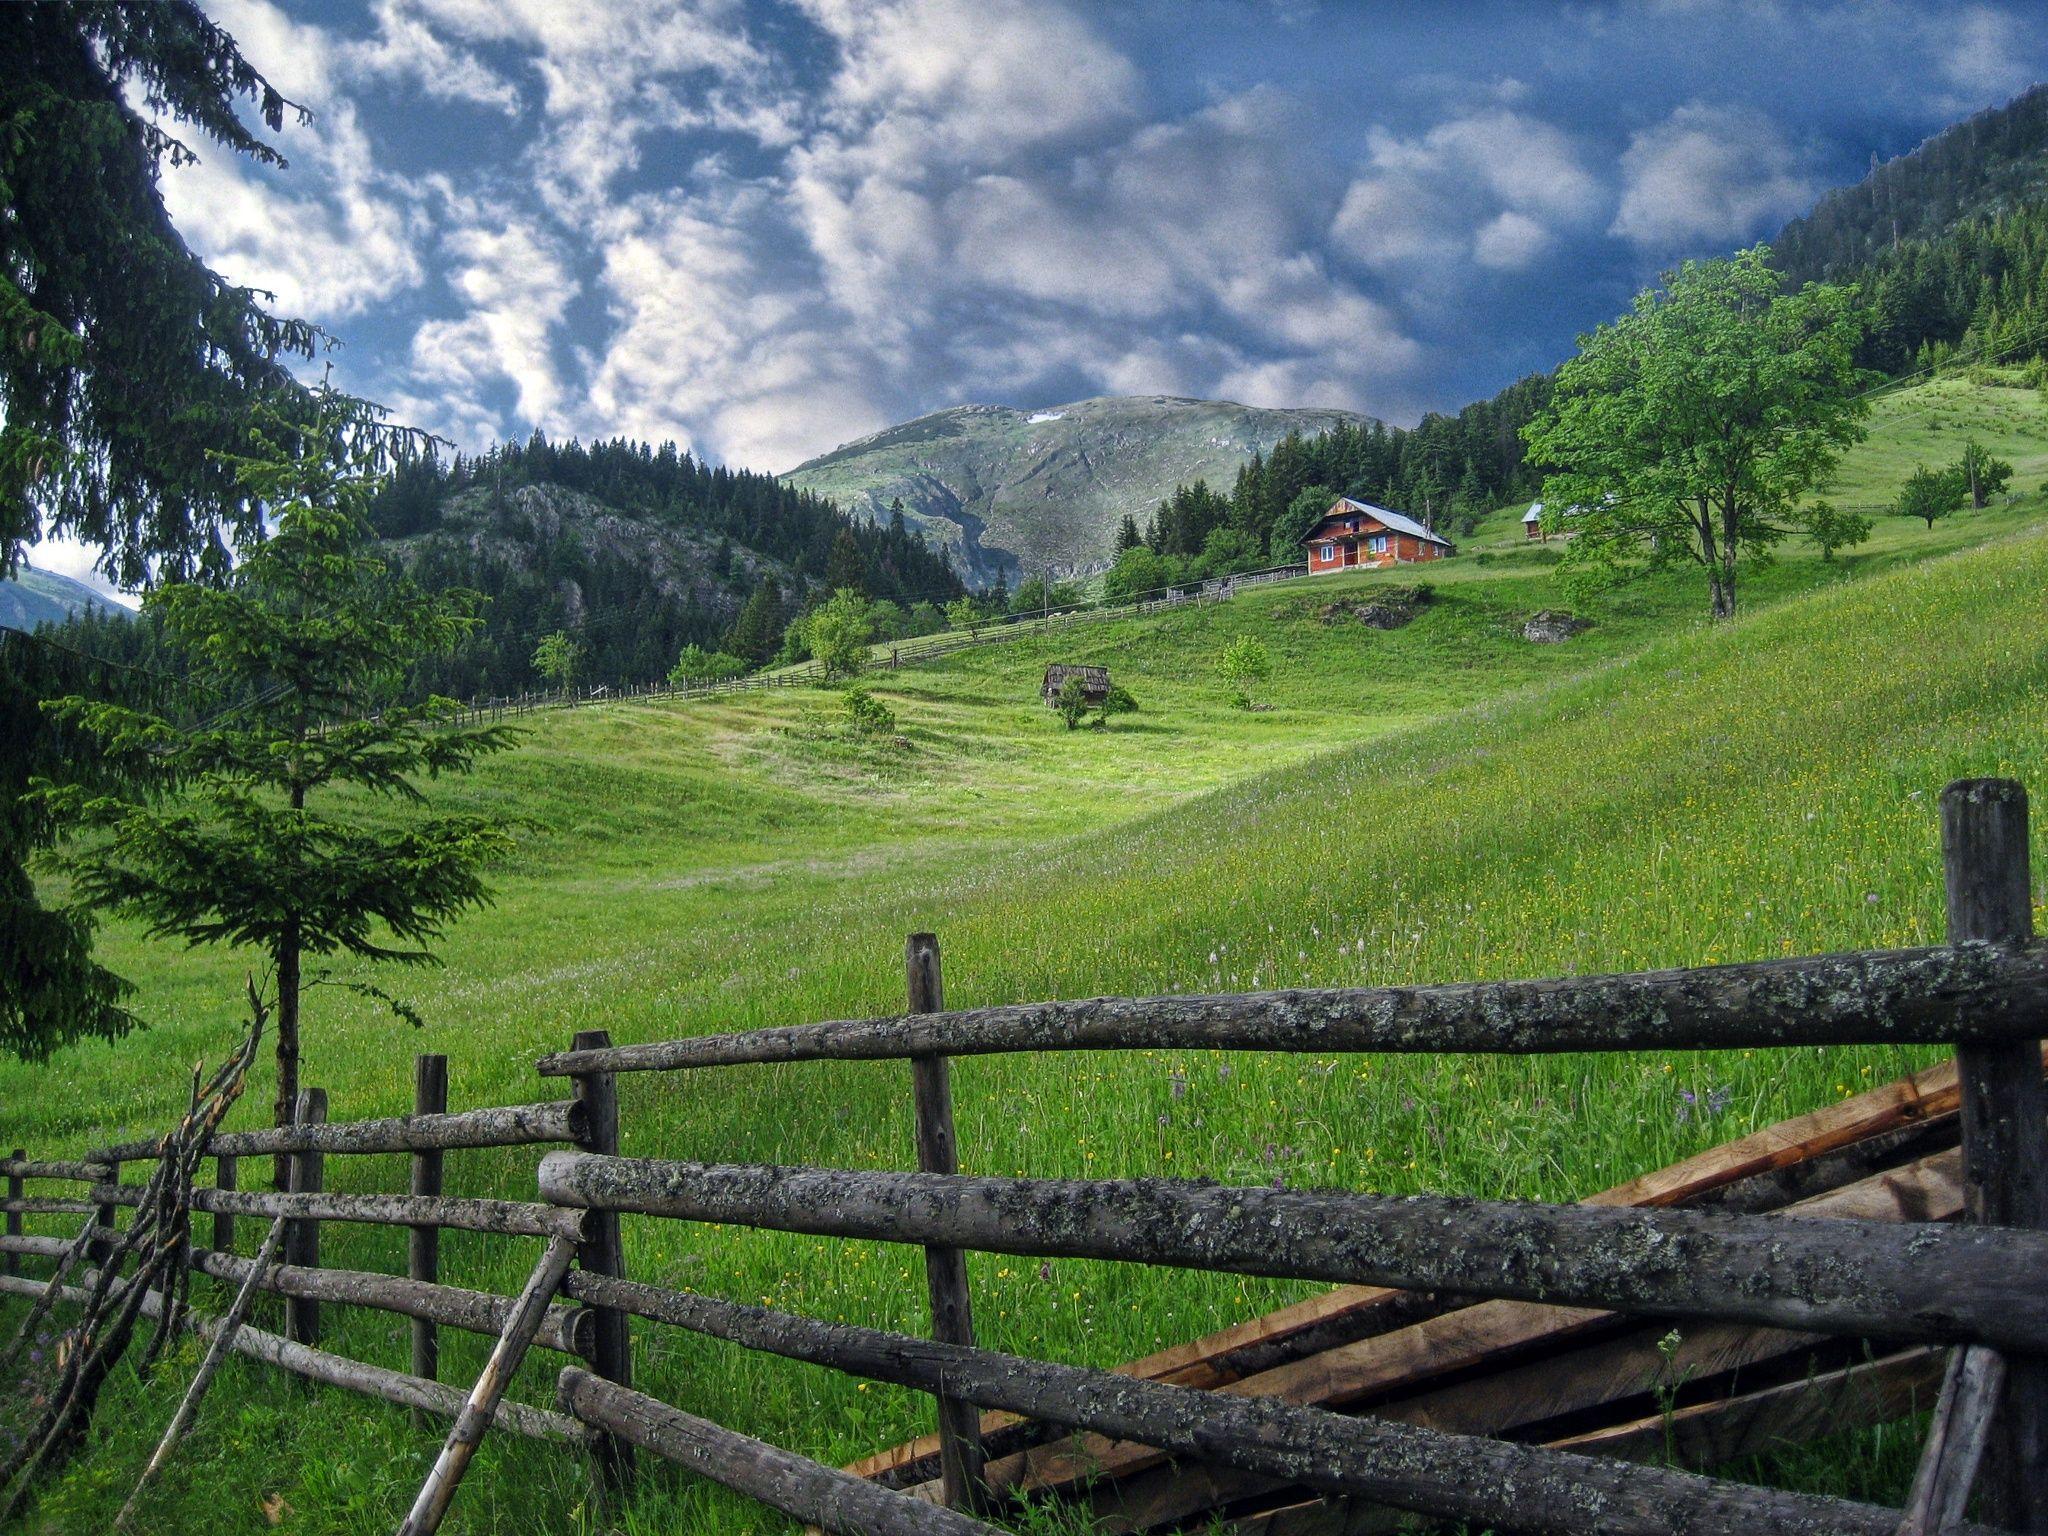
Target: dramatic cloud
[515,286]
[1708,176]
[1494,187]
[763,227]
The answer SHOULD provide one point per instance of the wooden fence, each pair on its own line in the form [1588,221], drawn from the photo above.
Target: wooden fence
[1977,1286]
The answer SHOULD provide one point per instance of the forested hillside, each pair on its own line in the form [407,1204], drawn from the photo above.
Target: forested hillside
[1985,165]
[632,550]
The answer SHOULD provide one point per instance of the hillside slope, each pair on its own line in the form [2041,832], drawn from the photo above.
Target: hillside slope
[1439,801]
[1011,492]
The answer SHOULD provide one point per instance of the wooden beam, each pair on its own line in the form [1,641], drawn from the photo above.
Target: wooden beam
[423,1242]
[1753,1172]
[1451,1477]
[567,1329]
[307,1175]
[340,1371]
[1749,1424]
[1956,1441]
[1875,997]
[500,1126]
[604,1249]
[1468,1339]
[1913,1282]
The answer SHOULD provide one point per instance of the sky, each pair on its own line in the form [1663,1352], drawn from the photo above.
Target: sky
[763,228]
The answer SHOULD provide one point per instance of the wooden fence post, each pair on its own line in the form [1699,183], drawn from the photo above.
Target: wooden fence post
[14,1217]
[307,1176]
[103,1216]
[224,1170]
[602,1252]
[423,1243]
[960,1449]
[2004,1132]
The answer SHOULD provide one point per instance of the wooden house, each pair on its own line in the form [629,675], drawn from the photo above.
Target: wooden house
[1355,534]
[1532,522]
[1094,683]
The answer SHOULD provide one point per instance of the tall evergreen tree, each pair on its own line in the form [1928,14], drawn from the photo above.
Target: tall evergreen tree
[128,371]
[308,642]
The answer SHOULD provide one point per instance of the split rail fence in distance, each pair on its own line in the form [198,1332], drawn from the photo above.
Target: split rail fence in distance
[1980,1285]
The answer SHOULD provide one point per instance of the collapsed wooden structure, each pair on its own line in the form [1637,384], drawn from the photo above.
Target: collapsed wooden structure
[1501,1363]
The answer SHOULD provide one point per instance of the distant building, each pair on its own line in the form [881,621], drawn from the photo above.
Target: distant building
[1532,521]
[1354,533]
[1094,683]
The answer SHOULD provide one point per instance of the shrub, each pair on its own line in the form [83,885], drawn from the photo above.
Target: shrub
[697,665]
[1117,701]
[1244,662]
[1072,702]
[867,715]
[838,630]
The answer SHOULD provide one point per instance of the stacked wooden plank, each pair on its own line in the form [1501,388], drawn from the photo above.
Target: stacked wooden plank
[1591,1381]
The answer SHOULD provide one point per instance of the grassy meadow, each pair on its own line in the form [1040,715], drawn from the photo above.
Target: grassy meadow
[1442,801]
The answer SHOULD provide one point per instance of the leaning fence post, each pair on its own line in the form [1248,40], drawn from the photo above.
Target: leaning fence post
[423,1243]
[307,1176]
[14,1216]
[602,1252]
[945,1269]
[2004,1133]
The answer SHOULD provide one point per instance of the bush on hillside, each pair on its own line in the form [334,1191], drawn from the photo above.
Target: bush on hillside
[697,665]
[867,715]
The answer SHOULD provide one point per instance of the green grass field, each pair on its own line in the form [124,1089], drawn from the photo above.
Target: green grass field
[1443,801]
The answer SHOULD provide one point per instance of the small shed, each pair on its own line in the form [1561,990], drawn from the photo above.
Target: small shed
[1094,683]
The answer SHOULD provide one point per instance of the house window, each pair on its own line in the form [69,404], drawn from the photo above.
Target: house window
[1377,543]
[1329,552]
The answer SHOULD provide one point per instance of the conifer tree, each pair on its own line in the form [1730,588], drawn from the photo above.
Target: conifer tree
[127,370]
[307,645]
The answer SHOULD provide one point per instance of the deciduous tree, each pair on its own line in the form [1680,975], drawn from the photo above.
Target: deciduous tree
[1984,475]
[1932,494]
[1693,426]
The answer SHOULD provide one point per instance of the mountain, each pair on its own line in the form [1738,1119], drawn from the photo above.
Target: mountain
[1008,492]
[33,597]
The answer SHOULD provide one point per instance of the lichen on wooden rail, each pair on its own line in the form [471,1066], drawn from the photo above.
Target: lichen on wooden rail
[512,1218]
[503,1126]
[1977,992]
[1450,1476]
[1909,1281]
[31,1168]
[566,1330]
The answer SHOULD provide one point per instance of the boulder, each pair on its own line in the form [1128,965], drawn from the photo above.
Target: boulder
[1552,626]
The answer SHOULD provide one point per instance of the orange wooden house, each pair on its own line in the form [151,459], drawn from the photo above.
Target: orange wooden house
[1357,534]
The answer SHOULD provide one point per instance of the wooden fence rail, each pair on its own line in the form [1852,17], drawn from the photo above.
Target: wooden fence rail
[1905,1281]
[1977,992]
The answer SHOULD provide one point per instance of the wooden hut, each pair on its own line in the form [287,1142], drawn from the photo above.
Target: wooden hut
[1094,683]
